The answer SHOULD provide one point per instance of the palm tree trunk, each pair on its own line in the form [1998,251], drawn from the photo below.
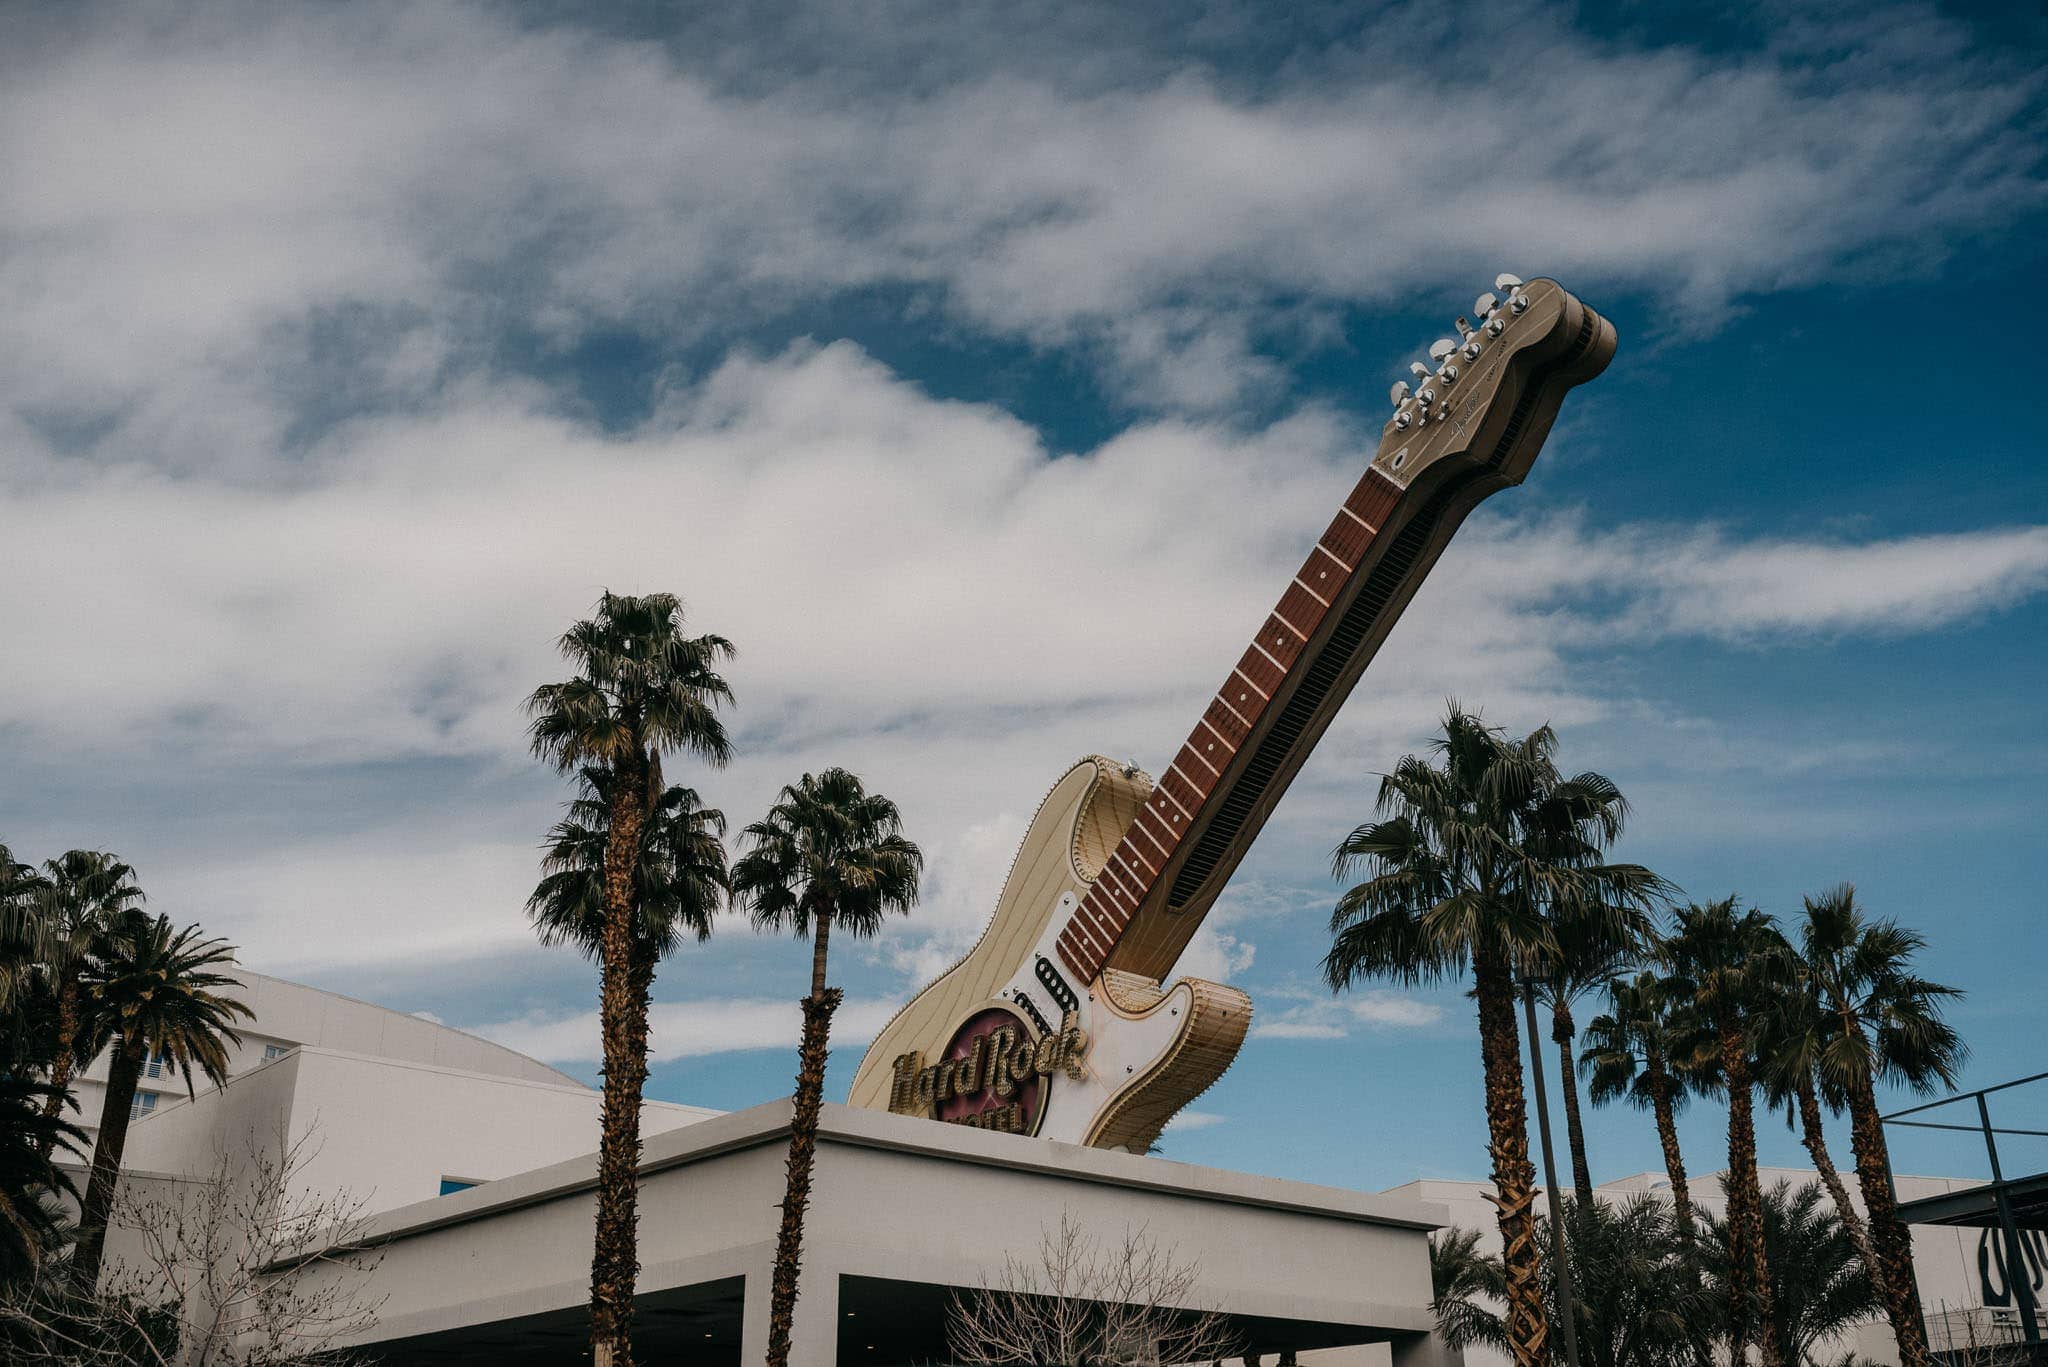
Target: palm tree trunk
[615,1258]
[1894,1266]
[1514,1176]
[65,1062]
[1749,1308]
[1816,1146]
[1664,1109]
[1562,1030]
[803,1144]
[123,1074]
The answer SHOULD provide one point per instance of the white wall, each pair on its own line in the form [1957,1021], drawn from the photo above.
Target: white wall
[289,1014]
[385,1131]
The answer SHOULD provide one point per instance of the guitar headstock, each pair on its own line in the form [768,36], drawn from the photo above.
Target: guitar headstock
[1487,396]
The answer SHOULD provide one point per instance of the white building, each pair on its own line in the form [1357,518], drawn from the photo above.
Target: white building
[476,1168]
[387,1107]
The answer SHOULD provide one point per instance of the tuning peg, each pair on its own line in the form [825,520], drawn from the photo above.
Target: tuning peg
[1441,347]
[1505,281]
[1470,351]
[1448,374]
[1418,370]
[1463,325]
[1403,421]
[1426,397]
[1398,395]
[1486,303]
[1496,326]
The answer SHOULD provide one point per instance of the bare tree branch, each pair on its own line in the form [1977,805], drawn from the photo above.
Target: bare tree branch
[1085,1303]
[244,1265]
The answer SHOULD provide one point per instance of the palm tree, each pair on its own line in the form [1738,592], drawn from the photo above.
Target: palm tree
[1584,964]
[681,879]
[1883,1023]
[87,893]
[1632,1052]
[641,689]
[1638,1291]
[1477,861]
[1794,1028]
[1820,1287]
[22,926]
[150,989]
[1724,965]
[30,1181]
[828,853]
[1463,1284]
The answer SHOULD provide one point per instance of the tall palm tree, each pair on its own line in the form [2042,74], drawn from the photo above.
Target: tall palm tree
[88,893]
[1585,963]
[681,878]
[641,689]
[1724,965]
[1476,862]
[1635,1051]
[1883,1023]
[151,988]
[829,853]
[1793,1028]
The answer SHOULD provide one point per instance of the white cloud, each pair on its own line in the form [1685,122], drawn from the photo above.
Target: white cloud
[1372,1009]
[221,222]
[865,544]
[272,503]
[1185,1121]
[692,1029]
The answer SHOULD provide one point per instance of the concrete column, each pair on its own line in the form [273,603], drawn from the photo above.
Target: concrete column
[754,1317]
[814,1338]
[814,1341]
[1424,1350]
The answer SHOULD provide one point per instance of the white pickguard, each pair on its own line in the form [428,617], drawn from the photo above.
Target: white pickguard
[1120,1050]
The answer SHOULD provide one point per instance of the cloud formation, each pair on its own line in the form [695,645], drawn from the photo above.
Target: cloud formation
[226,230]
[865,544]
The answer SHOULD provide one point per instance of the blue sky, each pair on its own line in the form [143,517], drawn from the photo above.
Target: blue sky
[347,352]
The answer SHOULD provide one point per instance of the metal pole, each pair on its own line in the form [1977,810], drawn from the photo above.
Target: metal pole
[1565,1297]
[2015,1256]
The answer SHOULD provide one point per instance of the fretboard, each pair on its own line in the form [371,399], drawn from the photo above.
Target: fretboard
[1200,780]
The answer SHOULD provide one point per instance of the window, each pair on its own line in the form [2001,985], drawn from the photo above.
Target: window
[451,1185]
[144,1103]
[159,1064]
[271,1051]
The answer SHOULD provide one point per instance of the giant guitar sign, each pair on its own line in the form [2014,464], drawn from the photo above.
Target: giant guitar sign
[1059,1022]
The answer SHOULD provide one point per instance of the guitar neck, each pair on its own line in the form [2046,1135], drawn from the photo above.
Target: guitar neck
[1260,727]
[1204,777]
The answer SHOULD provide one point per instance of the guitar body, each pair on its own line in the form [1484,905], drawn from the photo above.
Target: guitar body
[1149,1050]
[1061,1022]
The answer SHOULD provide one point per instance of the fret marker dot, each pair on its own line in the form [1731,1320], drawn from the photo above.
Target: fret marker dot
[1240,697]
